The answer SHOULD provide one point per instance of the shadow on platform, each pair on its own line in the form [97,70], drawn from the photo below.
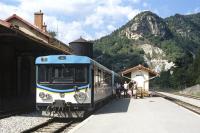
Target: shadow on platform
[115,106]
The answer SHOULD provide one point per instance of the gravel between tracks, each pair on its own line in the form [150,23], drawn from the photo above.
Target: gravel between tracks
[19,123]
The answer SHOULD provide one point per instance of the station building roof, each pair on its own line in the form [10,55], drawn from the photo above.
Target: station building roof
[139,67]
[15,23]
[16,17]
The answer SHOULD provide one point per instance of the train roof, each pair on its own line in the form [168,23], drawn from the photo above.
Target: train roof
[63,59]
[68,59]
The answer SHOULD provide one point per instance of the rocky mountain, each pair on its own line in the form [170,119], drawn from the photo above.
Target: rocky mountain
[162,44]
[142,34]
[144,24]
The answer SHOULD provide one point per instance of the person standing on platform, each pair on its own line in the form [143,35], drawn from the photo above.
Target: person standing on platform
[125,89]
[121,89]
[131,85]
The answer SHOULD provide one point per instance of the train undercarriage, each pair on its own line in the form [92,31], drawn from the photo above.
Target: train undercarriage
[60,108]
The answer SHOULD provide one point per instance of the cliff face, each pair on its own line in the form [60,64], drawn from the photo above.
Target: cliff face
[144,24]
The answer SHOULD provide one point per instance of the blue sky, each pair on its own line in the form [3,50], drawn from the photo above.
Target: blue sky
[92,19]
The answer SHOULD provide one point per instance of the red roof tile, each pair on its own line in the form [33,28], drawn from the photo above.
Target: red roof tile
[14,16]
[4,23]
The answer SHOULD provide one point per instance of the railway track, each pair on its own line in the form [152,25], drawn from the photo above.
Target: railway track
[186,105]
[54,125]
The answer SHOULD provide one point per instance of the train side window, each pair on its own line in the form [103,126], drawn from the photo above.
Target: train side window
[109,79]
[99,77]
[95,77]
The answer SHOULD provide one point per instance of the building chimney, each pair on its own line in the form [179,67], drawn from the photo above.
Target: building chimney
[38,20]
[44,27]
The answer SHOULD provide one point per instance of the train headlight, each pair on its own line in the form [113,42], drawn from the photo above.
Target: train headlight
[80,97]
[48,96]
[62,95]
[42,95]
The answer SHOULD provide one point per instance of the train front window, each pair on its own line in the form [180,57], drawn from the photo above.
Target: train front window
[62,74]
[54,74]
[44,74]
[80,74]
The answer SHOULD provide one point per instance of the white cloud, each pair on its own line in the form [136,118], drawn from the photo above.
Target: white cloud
[94,20]
[196,10]
[66,31]
[89,18]
[110,12]
[58,6]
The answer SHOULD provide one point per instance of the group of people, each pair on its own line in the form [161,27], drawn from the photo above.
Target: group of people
[126,89]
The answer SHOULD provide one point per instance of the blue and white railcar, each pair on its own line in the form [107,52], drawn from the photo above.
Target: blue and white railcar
[75,80]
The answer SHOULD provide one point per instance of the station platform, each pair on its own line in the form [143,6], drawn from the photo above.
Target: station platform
[148,115]
[191,101]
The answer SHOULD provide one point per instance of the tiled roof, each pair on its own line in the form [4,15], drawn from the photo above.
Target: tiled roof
[139,67]
[55,43]
[14,16]
[4,23]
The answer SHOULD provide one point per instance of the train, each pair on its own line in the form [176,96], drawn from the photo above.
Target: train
[67,84]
